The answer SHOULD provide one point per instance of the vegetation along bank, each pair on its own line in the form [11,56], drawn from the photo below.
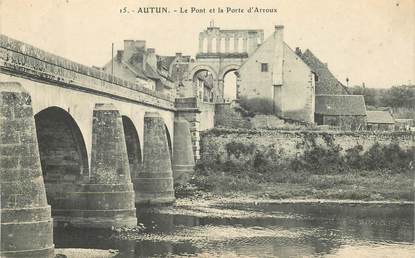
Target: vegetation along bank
[277,164]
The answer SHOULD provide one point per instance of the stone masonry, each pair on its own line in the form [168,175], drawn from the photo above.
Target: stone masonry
[26,223]
[154,184]
[110,191]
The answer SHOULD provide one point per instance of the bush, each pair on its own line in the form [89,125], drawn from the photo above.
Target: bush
[353,156]
[391,157]
[257,105]
[238,148]
[248,165]
[320,160]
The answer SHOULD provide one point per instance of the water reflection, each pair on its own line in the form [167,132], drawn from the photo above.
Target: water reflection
[285,230]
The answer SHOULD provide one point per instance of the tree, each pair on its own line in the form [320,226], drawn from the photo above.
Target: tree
[400,96]
[370,95]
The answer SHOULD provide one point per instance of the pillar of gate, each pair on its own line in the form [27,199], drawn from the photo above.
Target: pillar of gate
[154,184]
[109,195]
[26,223]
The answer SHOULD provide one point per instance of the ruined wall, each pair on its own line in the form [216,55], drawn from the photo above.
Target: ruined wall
[215,40]
[290,144]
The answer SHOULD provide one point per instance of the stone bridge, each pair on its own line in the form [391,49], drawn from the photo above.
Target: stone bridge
[81,146]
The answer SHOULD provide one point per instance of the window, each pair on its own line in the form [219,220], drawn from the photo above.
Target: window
[264,67]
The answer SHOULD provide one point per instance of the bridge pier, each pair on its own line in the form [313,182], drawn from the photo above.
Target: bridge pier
[26,223]
[109,195]
[154,184]
[183,159]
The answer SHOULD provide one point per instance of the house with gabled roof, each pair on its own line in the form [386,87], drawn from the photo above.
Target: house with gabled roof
[347,112]
[177,66]
[275,73]
[333,104]
[141,65]
[380,120]
[326,82]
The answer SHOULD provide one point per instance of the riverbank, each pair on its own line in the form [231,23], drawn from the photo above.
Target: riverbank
[353,185]
[82,253]
[276,165]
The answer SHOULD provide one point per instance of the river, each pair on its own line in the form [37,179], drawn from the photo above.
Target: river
[298,229]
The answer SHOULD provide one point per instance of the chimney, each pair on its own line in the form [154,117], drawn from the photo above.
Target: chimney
[298,51]
[279,32]
[277,66]
[178,54]
[119,55]
[133,46]
[152,58]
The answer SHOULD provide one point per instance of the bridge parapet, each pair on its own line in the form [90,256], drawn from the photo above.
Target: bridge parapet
[19,58]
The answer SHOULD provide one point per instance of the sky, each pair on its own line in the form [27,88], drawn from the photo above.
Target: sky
[370,41]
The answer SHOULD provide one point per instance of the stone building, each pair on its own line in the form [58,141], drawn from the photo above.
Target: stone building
[139,64]
[177,66]
[347,112]
[274,71]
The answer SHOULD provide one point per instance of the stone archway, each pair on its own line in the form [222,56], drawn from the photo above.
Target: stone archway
[229,83]
[63,156]
[204,83]
[227,69]
[198,68]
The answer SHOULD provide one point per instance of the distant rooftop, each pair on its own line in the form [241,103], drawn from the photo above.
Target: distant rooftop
[379,117]
[340,105]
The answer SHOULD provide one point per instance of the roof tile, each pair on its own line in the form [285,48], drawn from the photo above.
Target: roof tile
[340,105]
[379,117]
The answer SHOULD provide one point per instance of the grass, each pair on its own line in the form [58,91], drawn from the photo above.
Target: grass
[347,185]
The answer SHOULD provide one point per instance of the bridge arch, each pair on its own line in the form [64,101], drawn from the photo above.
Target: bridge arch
[63,154]
[60,140]
[132,141]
